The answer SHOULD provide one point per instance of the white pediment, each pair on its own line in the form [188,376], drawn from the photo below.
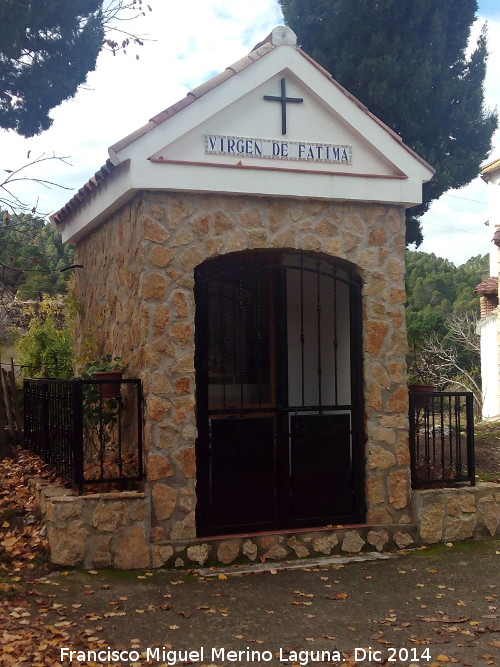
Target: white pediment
[226,137]
[249,132]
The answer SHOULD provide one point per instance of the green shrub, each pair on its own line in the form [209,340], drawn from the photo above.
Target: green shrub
[45,349]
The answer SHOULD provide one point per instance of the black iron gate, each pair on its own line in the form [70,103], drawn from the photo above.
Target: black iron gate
[279,392]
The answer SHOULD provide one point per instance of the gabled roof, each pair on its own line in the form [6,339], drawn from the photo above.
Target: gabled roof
[110,186]
[93,183]
[488,286]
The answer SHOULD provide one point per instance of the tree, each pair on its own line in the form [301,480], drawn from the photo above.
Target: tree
[45,349]
[31,256]
[407,62]
[442,312]
[453,361]
[47,48]
[436,289]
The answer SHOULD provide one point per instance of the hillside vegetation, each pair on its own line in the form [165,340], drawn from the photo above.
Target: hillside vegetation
[442,313]
[437,289]
[31,256]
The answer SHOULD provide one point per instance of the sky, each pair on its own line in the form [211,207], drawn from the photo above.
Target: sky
[186,45]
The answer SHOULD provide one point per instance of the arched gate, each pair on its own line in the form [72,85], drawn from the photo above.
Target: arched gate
[279,392]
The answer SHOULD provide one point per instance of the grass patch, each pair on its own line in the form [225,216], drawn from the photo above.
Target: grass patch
[466,546]
[482,476]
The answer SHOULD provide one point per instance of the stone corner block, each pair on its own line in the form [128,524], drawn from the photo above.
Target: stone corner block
[67,543]
[431,523]
[132,552]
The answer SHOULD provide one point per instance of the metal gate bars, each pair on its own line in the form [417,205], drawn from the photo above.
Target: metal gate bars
[279,392]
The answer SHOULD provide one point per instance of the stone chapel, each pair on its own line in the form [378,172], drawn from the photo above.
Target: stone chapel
[243,252]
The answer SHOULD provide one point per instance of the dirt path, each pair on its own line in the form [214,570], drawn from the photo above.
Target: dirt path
[440,606]
[434,607]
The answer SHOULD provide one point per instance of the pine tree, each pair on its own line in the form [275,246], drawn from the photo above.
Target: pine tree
[47,48]
[31,256]
[406,61]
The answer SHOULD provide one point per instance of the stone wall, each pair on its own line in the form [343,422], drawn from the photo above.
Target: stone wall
[449,515]
[136,292]
[98,530]
[113,530]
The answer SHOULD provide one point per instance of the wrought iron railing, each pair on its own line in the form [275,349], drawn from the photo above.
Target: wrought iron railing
[441,438]
[87,431]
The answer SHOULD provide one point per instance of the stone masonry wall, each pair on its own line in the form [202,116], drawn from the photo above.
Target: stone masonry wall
[98,530]
[449,515]
[136,292]
[112,530]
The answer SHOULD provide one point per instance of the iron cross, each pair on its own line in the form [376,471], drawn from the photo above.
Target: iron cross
[283,99]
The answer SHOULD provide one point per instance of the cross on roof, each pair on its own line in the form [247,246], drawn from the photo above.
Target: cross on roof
[284,100]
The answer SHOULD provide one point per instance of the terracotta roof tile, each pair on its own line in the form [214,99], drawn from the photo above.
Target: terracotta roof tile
[491,166]
[488,286]
[119,145]
[172,110]
[192,96]
[156,120]
[212,83]
[318,66]
[86,189]
[489,169]
[359,104]
[247,60]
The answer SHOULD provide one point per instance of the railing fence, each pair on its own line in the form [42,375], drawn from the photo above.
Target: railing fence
[441,438]
[88,431]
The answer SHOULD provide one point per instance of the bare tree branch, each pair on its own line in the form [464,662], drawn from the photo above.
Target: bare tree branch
[10,200]
[453,361]
[462,329]
[118,11]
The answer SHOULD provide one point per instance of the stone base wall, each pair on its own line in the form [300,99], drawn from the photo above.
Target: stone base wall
[291,545]
[114,530]
[98,530]
[449,515]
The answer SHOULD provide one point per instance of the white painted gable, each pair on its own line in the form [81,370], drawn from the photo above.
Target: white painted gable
[317,139]
[228,138]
